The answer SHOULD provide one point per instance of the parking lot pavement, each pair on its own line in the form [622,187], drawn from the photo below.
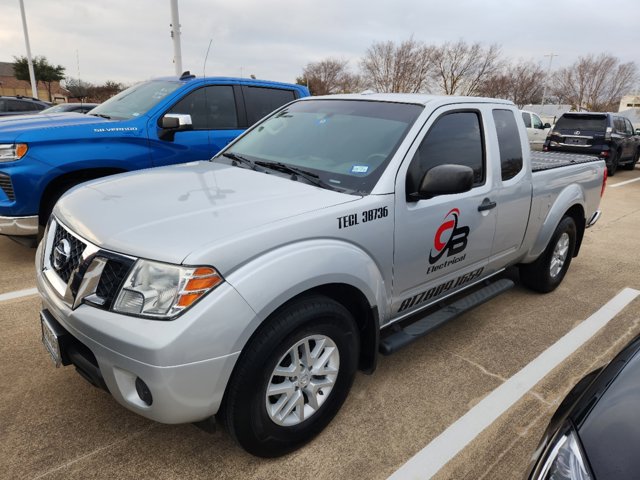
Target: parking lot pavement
[16,266]
[54,425]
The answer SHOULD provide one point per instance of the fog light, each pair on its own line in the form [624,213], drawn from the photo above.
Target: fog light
[143,391]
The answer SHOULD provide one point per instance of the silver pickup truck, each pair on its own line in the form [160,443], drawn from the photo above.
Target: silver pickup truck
[254,285]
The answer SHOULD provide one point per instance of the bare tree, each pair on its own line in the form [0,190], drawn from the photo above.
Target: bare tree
[522,83]
[595,83]
[329,76]
[407,67]
[460,67]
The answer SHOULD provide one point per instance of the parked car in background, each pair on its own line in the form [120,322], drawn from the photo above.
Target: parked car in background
[608,135]
[21,105]
[536,130]
[595,433]
[70,107]
[154,123]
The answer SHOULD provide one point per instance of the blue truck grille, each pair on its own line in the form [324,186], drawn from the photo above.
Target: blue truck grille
[66,268]
[7,186]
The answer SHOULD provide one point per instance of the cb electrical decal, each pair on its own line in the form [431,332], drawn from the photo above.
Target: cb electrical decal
[450,239]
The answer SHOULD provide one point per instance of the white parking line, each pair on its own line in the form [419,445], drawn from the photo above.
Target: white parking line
[17,294]
[449,443]
[624,183]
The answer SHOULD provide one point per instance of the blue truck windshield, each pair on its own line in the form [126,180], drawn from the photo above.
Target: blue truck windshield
[136,100]
[346,143]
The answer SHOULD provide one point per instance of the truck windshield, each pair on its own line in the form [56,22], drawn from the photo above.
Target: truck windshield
[136,100]
[345,143]
[583,122]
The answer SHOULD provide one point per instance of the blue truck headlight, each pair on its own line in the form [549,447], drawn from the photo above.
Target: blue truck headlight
[162,291]
[565,459]
[10,152]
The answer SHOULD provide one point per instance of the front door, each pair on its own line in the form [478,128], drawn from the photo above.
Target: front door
[215,123]
[442,244]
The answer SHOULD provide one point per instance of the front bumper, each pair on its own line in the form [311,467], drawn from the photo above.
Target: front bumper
[185,368]
[19,226]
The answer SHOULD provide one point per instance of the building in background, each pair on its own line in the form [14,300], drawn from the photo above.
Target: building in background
[630,108]
[10,85]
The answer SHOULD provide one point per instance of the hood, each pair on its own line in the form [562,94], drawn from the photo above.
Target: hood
[166,213]
[610,433]
[18,124]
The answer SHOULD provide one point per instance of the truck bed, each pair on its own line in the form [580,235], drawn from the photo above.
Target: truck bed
[549,160]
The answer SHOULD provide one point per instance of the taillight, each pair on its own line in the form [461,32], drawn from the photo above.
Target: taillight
[607,134]
[604,153]
[604,182]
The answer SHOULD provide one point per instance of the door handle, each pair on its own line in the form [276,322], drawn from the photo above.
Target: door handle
[486,205]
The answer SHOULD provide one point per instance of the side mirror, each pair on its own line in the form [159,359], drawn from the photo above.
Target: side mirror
[637,131]
[174,122]
[546,125]
[444,179]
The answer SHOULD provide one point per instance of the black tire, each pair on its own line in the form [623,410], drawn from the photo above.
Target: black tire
[612,164]
[244,408]
[632,165]
[538,275]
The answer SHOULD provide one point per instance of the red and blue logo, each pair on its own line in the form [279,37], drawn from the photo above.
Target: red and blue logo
[449,238]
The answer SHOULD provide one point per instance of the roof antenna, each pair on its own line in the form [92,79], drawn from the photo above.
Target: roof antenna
[204,67]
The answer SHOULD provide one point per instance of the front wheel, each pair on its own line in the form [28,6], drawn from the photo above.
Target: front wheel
[546,273]
[292,377]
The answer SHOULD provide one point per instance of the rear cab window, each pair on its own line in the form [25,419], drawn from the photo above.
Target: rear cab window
[261,101]
[508,142]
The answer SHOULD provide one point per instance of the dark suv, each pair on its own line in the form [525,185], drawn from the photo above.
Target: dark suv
[608,135]
[21,105]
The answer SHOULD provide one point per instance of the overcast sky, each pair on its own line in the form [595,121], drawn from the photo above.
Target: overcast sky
[128,40]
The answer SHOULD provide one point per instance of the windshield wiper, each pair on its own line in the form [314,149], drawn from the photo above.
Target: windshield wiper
[237,159]
[297,172]
[100,115]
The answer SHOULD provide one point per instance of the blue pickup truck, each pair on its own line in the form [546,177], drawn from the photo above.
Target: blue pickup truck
[154,123]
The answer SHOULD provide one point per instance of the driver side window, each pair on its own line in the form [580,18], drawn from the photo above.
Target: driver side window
[211,107]
[454,138]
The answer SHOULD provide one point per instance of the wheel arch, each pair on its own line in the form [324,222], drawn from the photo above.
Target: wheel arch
[570,202]
[67,180]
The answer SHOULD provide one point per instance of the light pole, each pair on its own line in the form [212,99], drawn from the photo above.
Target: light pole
[32,75]
[175,36]
[546,81]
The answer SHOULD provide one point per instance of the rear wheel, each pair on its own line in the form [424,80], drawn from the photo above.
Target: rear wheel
[632,165]
[292,378]
[612,164]
[547,272]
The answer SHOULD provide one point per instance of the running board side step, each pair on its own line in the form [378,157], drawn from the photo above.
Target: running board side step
[424,325]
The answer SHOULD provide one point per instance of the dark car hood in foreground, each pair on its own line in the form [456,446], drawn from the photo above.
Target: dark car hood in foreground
[610,431]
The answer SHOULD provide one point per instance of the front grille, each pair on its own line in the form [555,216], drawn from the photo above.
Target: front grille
[7,186]
[113,274]
[66,267]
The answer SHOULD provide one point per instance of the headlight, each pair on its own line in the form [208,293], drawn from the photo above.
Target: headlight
[12,151]
[565,460]
[161,290]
